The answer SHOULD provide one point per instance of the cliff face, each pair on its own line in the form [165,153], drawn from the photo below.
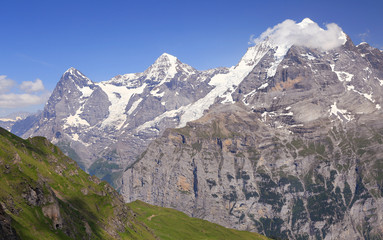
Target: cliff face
[297,155]
[229,168]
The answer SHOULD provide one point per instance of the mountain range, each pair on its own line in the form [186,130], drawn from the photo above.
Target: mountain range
[8,121]
[95,122]
[286,143]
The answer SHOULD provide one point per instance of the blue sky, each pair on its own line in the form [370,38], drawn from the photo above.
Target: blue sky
[41,39]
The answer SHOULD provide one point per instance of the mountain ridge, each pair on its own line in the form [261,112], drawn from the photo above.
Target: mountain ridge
[296,156]
[83,114]
[133,109]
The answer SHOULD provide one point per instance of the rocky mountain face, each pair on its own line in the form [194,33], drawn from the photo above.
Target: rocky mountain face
[293,150]
[45,195]
[105,126]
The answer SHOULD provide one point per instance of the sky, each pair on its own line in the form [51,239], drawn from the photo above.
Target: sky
[40,40]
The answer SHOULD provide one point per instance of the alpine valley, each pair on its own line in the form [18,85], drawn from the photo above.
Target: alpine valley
[287,143]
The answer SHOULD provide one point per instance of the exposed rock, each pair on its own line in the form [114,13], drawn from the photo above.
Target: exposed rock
[52,211]
[298,155]
[7,232]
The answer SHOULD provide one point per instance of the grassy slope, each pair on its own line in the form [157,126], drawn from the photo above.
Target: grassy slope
[83,200]
[37,165]
[171,224]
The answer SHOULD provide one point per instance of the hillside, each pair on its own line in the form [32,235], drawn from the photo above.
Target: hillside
[45,195]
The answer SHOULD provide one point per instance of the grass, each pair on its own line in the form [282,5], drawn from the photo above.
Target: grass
[171,224]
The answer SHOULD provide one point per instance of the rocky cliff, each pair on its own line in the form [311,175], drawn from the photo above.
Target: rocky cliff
[296,154]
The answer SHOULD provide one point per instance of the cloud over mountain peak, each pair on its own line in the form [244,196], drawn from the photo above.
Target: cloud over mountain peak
[306,33]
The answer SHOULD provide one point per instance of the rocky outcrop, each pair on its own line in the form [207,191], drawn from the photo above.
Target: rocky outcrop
[7,232]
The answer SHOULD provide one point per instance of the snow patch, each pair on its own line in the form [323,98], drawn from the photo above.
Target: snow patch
[75,137]
[280,52]
[75,120]
[129,80]
[367,96]
[134,106]
[287,114]
[341,114]
[244,100]
[263,86]
[350,87]
[86,91]
[116,118]
[155,121]
[342,76]
[156,94]
[380,81]
[308,56]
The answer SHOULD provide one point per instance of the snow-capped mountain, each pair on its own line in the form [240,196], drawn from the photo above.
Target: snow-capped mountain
[106,125]
[288,142]
[291,145]
[8,121]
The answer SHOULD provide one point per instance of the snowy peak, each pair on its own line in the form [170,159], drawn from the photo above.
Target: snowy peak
[306,22]
[306,33]
[166,67]
[166,58]
[72,74]
[164,63]
[71,70]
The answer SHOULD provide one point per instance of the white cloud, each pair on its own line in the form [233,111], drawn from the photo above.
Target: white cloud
[306,33]
[29,86]
[5,84]
[28,96]
[13,100]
